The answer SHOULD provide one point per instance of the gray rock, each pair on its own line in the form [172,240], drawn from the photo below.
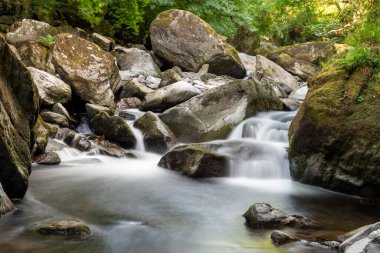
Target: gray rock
[82,143]
[67,135]
[28,29]
[194,161]
[113,128]
[366,240]
[153,82]
[280,238]
[137,61]
[107,148]
[263,215]
[102,41]
[48,158]
[302,69]
[92,110]
[291,104]
[169,96]
[51,89]
[248,61]
[218,81]
[213,114]
[158,138]
[60,109]
[135,88]
[55,118]
[90,71]
[19,103]
[171,76]
[69,227]
[34,54]
[128,103]
[169,34]
[6,204]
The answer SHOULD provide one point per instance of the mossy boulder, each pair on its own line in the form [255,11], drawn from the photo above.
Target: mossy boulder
[194,161]
[69,227]
[214,113]
[158,137]
[19,104]
[41,132]
[182,39]
[89,70]
[34,54]
[334,138]
[300,68]
[113,128]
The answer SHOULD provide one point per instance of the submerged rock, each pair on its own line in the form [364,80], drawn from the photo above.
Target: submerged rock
[51,89]
[19,104]
[158,137]
[89,70]
[334,138]
[114,129]
[6,204]
[69,227]
[263,215]
[48,158]
[194,161]
[184,40]
[280,238]
[213,114]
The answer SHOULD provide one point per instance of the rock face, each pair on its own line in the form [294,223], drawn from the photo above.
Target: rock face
[302,69]
[69,227]
[114,129]
[6,205]
[169,96]
[262,215]
[194,161]
[311,52]
[334,138]
[51,89]
[137,61]
[18,112]
[367,240]
[89,70]
[213,114]
[184,40]
[158,138]
[28,29]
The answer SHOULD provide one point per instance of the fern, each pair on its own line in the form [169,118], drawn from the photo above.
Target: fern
[47,41]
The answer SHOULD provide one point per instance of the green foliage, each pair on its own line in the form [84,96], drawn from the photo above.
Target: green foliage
[360,57]
[47,41]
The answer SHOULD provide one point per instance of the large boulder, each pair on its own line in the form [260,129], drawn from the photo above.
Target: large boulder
[158,137]
[213,114]
[366,240]
[169,96]
[69,227]
[300,68]
[6,205]
[334,138]
[137,61]
[34,54]
[29,30]
[311,52]
[263,215]
[246,40]
[114,128]
[194,161]
[90,71]
[19,104]
[184,40]
[51,89]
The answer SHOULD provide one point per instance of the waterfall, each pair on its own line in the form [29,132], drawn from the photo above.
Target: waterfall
[260,146]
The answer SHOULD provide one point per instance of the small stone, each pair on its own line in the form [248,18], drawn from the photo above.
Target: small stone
[127,116]
[69,227]
[104,42]
[48,158]
[153,82]
[280,238]
[55,118]
[60,109]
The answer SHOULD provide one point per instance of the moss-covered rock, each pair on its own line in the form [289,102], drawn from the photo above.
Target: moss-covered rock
[158,137]
[34,54]
[302,69]
[41,132]
[182,39]
[113,128]
[194,161]
[334,139]
[70,227]
[19,105]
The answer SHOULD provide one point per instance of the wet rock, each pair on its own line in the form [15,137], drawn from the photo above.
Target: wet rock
[128,103]
[19,104]
[366,240]
[213,114]
[6,204]
[28,29]
[137,61]
[54,145]
[92,110]
[51,89]
[291,104]
[158,138]
[280,238]
[263,215]
[302,69]
[135,88]
[90,71]
[34,54]
[67,135]
[186,41]
[333,245]
[171,76]
[42,131]
[55,118]
[246,40]
[107,148]
[114,129]
[104,42]
[169,96]
[82,143]
[194,161]
[69,227]
[218,81]
[48,158]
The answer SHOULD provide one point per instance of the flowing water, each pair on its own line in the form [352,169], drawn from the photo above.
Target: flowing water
[131,205]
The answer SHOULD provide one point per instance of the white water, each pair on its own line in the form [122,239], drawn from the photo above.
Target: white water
[262,143]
